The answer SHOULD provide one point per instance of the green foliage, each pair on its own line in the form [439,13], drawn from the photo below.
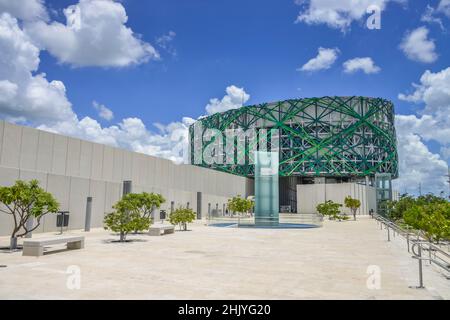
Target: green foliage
[352,204]
[182,216]
[433,219]
[332,210]
[396,209]
[428,213]
[240,205]
[143,202]
[132,213]
[26,200]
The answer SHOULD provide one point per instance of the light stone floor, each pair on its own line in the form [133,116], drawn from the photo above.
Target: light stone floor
[225,263]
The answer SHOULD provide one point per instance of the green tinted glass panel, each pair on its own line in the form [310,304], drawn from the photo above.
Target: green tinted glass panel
[266,188]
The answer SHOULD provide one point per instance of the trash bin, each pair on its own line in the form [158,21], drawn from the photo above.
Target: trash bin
[62,220]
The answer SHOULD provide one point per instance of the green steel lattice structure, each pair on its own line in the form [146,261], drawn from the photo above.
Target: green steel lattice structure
[318,137]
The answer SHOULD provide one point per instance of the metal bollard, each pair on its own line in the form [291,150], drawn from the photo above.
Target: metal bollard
[420,268]
[389,234]
[407,241]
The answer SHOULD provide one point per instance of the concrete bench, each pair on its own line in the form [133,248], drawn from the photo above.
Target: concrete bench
[35,247]
[156,230]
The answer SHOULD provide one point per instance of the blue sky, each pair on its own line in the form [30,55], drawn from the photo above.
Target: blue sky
[256,46]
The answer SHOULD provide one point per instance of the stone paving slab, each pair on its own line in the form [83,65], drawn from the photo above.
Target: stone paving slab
[224,263]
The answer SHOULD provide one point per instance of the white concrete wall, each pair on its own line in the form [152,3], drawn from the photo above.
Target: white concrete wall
[310,195]
[73,169]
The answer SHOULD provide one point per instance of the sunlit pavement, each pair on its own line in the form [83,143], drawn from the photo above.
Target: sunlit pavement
[338,261]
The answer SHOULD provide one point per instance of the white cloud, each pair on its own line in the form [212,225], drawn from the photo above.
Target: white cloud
[235,98]
[429,16]
[418,47]
[433,90]
[361,64]
[24,9]
[324,60]
[95,34]
[336,14]
[444,7]
[33,100]
[165,42]
[103,112]
[432,124]
[418,165]
[22,92]
[445,152]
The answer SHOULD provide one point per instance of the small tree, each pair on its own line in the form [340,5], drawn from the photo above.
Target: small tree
[24,201]
[332,210]
[240,205]
[352,204]
[182,216]
[433,219]
[144,203]
[126,217]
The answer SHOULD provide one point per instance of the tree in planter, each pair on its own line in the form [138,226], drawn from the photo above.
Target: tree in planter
[126,218]
[182,216]
[240,205]
[144,203]
[352,204]
[25,201]
[332,210]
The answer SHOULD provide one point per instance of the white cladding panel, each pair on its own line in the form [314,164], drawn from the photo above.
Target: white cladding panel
[72,170]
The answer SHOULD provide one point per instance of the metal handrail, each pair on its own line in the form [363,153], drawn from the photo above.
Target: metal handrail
[436,255]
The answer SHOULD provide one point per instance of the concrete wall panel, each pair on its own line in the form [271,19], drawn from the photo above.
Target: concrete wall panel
[59,186]
[59,155]
[97,162]
[29,146]
[12,138]
[118,165]
[86,159]
[108,163]
[79,191]
[45,152]
[98,193]
[73,157]
[127,165]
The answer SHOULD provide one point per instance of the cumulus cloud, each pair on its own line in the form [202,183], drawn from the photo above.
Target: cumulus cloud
[444,7]
[365,65]
[30,98]
[324,60]
[24,9]
[21,91]
[336,14]
[103,112]
[235,98]
[418,164]
[433,90]
[432,123]
[95,34]
[418,47]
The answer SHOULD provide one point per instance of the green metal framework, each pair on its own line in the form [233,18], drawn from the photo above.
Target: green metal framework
[318,137]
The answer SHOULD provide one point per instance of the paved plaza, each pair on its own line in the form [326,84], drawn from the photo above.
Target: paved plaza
[224,263]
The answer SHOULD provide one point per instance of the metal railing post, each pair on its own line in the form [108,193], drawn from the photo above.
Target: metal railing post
[420,267]
[388,234]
